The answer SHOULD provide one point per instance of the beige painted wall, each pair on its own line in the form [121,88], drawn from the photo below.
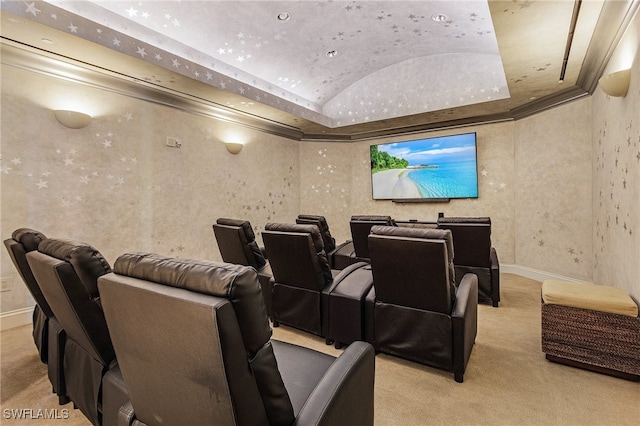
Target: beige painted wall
[553,191]
[616,170]
[116,186]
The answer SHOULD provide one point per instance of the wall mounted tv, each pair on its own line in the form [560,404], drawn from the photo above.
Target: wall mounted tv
[423,170]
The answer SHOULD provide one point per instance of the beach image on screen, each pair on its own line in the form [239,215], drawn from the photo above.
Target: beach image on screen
[443,167]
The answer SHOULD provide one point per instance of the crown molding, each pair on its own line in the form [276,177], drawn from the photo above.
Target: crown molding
[32,59]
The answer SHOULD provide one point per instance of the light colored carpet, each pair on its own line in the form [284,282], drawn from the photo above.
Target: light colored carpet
[508,381]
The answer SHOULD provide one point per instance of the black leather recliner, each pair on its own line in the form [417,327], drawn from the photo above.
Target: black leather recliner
[196,348]
[357,250]
[474,254]
[415,310]
[360,229]
[67,272]
[330,247]
[48,334]
[302,279]
[237,244]
[323,226]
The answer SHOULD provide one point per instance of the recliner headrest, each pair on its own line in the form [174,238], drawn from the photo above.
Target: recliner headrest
[245,224]
[386,219]
[29,238]
[87,262]
[424,233]
[215,279]
[480,220]
[236,283]
[318,243]
[329,241]
[314,217]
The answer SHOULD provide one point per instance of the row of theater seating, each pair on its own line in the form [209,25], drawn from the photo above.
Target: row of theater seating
[404,293]
[471,235]
[159,340]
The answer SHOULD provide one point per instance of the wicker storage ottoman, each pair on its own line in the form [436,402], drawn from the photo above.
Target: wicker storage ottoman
[591,327]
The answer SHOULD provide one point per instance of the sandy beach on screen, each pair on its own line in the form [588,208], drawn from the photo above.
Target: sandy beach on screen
[394,183]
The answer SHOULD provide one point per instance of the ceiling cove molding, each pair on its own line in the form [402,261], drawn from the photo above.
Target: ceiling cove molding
[535,107]
[606,37]
[29,58]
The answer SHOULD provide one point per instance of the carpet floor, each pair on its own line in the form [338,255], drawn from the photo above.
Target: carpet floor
[508,380]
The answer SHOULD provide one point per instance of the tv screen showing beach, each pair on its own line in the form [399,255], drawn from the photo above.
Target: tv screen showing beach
[441,167]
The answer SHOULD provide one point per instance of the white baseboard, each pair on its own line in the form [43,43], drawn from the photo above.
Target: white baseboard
[536,274]
[16,318]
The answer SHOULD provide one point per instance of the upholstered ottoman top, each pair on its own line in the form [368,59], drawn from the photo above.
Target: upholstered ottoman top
[589,296]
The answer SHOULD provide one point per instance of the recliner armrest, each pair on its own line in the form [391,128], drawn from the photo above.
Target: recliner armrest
[464,318]
[495,277]
[346,271]
[464,300]
[344,395]
[327,291]
[493,255]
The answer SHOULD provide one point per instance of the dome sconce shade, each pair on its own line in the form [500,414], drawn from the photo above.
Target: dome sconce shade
[616,84]
[72,119]
[233,148]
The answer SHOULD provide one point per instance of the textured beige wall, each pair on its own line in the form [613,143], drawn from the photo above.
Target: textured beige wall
[616,170]
[553,191]
[116,186]
[336,181]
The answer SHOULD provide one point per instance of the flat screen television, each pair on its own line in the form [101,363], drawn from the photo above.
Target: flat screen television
[432,169]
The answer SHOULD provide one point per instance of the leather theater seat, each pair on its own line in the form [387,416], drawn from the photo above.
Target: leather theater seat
[357,250]
[237,244]
[68,272]
[302,279]
[330,247]
[415,310]
[474,254]
[48,334]
[195,348]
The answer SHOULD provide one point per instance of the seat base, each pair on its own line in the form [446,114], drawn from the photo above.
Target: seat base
[346,305]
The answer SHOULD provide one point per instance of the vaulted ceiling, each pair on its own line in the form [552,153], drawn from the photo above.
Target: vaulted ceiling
[326,70]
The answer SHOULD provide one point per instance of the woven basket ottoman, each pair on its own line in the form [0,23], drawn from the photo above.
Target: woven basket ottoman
[591,326]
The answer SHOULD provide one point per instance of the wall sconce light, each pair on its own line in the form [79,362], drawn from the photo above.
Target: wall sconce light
[72,119]
[233,148]
[616,84]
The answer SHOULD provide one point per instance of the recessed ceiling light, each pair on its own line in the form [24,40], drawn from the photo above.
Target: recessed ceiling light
[46,40]
[439,17]
[283,16]
[332,54]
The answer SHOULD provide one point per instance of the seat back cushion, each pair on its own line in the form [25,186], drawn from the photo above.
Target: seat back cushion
[411,268]
[213,323]
[296,255]
[68,272]
[237,243]
[321,223]
[361,227]
[471,238]
[22,241]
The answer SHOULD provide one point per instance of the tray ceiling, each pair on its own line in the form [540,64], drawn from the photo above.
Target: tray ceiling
[342,69]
